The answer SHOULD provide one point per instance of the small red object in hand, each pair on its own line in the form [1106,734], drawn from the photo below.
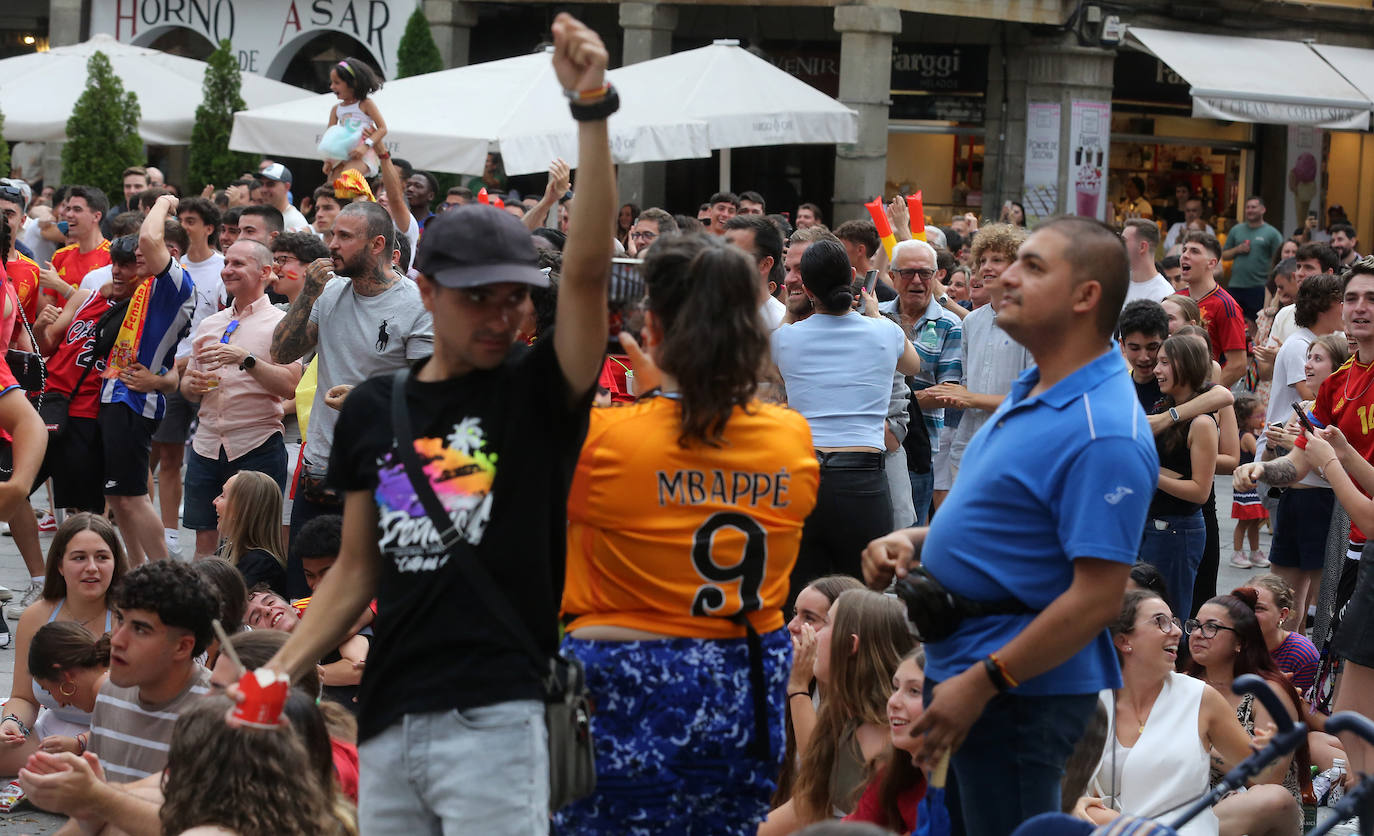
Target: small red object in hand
[264,696]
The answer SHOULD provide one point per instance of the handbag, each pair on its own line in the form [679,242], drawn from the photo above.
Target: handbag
[936,612]
[29,368]
[567,705]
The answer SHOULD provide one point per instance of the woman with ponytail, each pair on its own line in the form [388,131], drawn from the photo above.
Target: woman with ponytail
[71,663]
[684,518]
[838,366]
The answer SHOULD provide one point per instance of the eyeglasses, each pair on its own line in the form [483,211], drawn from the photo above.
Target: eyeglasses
[643,236]
[912,272]
[1166,624]
[283,260]
[1208,629]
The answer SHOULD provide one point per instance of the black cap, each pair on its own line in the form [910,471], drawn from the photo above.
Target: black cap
[474,245]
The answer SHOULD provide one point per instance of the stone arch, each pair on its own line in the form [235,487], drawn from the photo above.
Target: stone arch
[325,40]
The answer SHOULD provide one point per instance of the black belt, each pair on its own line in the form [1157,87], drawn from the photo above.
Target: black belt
[849,460]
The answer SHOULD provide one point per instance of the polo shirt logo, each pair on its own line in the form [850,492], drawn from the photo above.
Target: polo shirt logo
[1117,495]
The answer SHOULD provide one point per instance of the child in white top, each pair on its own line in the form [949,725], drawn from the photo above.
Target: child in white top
[356,128]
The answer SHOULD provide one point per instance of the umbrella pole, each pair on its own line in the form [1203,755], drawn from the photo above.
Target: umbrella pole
[725,169]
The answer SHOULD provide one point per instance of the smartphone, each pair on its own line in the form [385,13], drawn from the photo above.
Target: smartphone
[1302,418]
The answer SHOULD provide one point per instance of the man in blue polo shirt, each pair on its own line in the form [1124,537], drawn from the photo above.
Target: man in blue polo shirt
[1048,510]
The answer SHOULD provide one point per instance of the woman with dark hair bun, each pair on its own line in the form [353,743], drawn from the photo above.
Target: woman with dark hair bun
[838,366]
[684,517]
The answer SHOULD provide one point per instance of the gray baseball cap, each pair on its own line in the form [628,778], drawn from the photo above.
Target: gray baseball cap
[475,245]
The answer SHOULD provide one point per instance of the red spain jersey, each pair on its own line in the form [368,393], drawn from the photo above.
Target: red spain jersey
[23,272]
[1224,320]
[73,265]
[659,536]
[72,356]
[1346,399]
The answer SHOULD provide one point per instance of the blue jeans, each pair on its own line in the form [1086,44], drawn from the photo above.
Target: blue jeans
[1174,546]
[479,770]
[205,479]
[922,492]
[1010,766]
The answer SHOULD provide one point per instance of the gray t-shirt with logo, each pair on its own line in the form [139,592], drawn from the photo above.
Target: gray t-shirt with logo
[360,337]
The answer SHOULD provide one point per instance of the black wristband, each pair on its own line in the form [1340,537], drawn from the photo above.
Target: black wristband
[597,110]
[995,674]
[806,694]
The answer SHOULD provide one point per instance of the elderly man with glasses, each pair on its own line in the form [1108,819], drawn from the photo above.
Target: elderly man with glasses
[937,333]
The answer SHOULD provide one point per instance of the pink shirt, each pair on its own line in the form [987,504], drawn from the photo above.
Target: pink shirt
[240,414]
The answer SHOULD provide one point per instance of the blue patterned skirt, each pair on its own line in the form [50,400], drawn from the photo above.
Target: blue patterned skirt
[673,721]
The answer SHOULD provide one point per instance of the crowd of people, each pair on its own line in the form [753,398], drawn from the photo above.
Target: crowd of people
[829,518]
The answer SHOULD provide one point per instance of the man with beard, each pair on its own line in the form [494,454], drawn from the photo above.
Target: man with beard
[363,319]
[937,334]
[1344,241]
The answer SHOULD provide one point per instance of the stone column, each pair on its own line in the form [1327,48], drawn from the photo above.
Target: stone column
[1057,71]
[451,21]
[65,22]
[648,34]
[865,86]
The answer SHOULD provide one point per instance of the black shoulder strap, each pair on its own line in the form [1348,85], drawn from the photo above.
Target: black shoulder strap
[473,572]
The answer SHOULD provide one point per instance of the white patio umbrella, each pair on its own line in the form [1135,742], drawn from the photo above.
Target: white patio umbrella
[449,120]
[38,91]
[744,100]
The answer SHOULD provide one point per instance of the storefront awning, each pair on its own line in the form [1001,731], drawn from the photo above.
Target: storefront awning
[1357,65]
[1258,80]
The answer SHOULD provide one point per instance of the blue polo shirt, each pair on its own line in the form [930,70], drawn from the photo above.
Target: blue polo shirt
[1065,474]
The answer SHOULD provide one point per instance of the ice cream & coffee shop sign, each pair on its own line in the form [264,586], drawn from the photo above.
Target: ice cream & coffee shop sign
[265,34]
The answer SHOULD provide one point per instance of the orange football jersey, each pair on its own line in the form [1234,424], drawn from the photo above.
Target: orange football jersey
[660,536]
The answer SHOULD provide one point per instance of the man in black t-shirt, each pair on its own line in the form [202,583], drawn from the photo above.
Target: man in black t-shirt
[1142,328]
[450,726]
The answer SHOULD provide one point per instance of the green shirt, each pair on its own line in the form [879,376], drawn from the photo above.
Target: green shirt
[1252,269]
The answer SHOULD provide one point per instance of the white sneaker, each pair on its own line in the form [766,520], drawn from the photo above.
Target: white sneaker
[1258,559]
[15,609]
[1239,560]
[5,593]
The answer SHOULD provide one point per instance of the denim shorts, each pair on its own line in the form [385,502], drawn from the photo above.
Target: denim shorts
[672,725]
[475,770]
[205,479]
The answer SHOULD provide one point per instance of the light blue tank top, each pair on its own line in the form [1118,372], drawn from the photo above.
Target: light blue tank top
[838,372]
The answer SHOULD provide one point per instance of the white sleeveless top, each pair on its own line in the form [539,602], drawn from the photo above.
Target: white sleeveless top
[351,116]
[1168,766]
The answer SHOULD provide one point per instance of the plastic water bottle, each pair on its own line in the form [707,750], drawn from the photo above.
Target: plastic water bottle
[1338,784]
[1322,784]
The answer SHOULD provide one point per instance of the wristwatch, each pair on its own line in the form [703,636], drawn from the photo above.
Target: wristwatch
[943,300]
[1173,413]
[248,363]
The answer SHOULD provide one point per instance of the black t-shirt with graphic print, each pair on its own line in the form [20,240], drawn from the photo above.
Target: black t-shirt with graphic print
[499,447]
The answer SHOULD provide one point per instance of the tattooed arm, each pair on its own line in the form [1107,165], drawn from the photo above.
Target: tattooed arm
[1279,472]
[295,335]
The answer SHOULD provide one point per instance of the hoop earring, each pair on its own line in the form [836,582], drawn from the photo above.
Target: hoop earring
[62,689]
